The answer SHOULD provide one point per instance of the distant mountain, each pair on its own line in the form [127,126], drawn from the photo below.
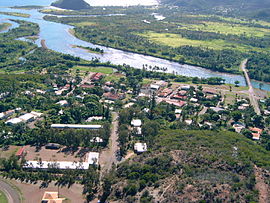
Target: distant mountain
[209,3]
[71,4]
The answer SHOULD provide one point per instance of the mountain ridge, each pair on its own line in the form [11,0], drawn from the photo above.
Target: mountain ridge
[71,4]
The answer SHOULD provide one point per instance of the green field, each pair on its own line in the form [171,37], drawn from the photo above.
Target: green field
[227,28]
[3,198]
[101,69]
[81,24]
[175,40]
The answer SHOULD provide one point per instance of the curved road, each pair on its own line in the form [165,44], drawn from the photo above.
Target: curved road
[11,193]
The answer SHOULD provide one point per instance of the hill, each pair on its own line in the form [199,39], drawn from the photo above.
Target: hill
[195,166]
[252,8]
[71,4]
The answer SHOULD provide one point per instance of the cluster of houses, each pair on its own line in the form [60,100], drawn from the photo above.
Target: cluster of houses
[25,118]
[137,128]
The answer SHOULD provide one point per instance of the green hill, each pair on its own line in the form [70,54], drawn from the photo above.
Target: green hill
[71,4]
[194,166]
[209,3]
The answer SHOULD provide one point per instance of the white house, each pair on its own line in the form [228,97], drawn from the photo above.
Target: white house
[63,103]
[140,147]
[136,123]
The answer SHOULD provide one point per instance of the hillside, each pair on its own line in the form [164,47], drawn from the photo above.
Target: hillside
[71,4]
[194,166]
[231,3]
[252,8]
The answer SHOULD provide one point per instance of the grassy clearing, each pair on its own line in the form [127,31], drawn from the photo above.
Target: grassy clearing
[4,26]
[175,40]
[86,23]
[101,69]
[3,198]
[227,28]
[24,15]
[232,20]
[8,153]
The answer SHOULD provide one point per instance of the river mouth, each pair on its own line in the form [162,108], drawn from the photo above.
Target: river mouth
[58,38]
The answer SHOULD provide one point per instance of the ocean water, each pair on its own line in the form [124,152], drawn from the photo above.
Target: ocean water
[9,3]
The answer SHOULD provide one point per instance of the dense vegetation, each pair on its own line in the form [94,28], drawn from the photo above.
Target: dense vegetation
[219,170]
[71,4]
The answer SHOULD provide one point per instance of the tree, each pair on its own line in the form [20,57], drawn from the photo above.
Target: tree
[237,115]
[236,83]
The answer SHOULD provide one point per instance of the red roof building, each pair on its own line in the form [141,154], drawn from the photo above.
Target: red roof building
[20,152]
[113,96]
[97,76]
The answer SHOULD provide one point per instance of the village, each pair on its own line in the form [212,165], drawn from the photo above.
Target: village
[104,117]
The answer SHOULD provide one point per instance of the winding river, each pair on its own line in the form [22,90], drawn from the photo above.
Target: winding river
[58,38]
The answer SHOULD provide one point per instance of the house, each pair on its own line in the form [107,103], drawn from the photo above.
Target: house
[188,122]
[243,106]
[178,97]
[185,87]
[182,93]
[97,76]
[13,121]
[209,91]
[176,103]
[140,147]
[29,117]
[193,100]
[256,133]
[266,112]
[94,118]
[86,86]
[40,91]
[128,105]
[161,83]
[97,140]
[113,96]
[154,87]
[238,127]
[6,114]
[63,103]
[76,126]
[52,197]
[20,152]
[217,109]
[136,123]
[166,92]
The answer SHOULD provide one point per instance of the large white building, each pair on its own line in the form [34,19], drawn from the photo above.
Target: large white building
[93,158]
[76,126]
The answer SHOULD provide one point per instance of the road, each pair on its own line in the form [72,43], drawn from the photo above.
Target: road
[108,157]
[11,193]
[252,94]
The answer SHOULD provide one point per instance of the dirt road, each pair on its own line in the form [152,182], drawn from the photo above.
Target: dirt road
[108,157]
[252,94]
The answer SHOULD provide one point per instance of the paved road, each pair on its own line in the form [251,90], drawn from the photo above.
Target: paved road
[108,157]
[252,94]
[11,193]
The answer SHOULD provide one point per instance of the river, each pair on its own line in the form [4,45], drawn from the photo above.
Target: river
[58,38]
